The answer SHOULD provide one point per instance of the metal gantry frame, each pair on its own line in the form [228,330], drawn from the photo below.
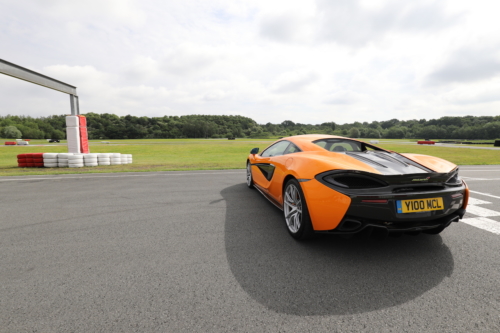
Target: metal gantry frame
[25,74]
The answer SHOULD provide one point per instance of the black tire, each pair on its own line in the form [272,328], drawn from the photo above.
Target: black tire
[297,219]
[249,176]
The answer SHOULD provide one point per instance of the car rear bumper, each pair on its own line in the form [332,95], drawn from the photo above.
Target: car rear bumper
[382,212]
[354,225]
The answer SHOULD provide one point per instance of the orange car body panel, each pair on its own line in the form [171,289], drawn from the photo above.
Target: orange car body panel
[434,163]
[326,207]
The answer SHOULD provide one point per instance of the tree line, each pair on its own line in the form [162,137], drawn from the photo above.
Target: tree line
[110,126]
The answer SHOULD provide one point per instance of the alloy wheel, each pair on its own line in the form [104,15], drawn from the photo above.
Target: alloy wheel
[293,208]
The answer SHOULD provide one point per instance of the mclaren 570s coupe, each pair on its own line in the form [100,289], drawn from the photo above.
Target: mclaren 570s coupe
[339,185]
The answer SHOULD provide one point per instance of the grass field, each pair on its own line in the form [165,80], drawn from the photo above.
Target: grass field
[192,154]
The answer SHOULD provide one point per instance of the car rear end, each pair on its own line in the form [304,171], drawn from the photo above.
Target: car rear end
[425,201]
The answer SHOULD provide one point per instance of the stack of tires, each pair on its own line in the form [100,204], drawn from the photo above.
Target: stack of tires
[104,159]
[32,160]
[90,160]
[22,161]
[75,161]
[116,159]
[62,160]
[50,160]
[37,159]
[29,161]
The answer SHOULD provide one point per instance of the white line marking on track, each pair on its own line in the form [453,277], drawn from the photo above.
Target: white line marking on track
[485,194]
[461,169]
[474,201]
[482,212]
[124,175]
[473,178]
[484,223]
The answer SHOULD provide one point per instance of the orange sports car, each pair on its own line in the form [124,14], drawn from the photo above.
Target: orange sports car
[338,185]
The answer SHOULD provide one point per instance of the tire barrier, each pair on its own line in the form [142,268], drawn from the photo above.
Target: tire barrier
[76,134]
[50,160]
[104,159]
[50,165]
[10,143]
[62,160]
[90,159]
[116,159]
[65,160]
[427,142]
[21,161]
[75,161]
[73,137]
[84,142]
[37,160]
[32,160]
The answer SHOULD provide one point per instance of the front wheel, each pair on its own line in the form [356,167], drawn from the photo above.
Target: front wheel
[249,176]
[295,210]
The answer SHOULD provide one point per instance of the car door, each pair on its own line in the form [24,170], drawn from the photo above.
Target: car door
[263,168]
[281,164]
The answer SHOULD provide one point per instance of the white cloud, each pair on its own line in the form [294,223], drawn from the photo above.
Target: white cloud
[125,11]
[307,61]
[293,82]
[287,27]
[349,23]
[188,59]
[468,65]
[485,92]
[344,97]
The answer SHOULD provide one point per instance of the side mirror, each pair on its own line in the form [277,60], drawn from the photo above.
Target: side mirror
[254,151]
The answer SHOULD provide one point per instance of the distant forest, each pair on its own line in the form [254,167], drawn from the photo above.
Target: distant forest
[110,126]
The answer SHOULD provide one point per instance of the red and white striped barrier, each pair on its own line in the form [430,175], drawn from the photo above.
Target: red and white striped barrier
[65,160]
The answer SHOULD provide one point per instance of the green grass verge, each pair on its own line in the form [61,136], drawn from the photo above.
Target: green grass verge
[186,154]
[148,155]
[459,156]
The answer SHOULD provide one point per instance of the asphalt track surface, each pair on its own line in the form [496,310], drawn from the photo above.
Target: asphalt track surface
[200,252]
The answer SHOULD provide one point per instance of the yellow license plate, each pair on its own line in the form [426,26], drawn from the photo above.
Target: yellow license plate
[419,205]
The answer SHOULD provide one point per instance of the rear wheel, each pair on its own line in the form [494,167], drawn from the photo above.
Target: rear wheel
[249,176]
[295,210]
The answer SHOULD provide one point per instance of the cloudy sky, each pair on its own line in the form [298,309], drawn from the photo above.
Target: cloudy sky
[300,60]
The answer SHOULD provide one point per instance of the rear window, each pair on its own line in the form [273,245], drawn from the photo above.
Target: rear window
[341,145]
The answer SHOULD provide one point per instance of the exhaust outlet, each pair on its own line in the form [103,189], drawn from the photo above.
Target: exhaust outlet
[349,225]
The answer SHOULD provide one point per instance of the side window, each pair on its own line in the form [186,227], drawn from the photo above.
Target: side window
[344,146]
[276,149]
[292,149]
[339,145]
